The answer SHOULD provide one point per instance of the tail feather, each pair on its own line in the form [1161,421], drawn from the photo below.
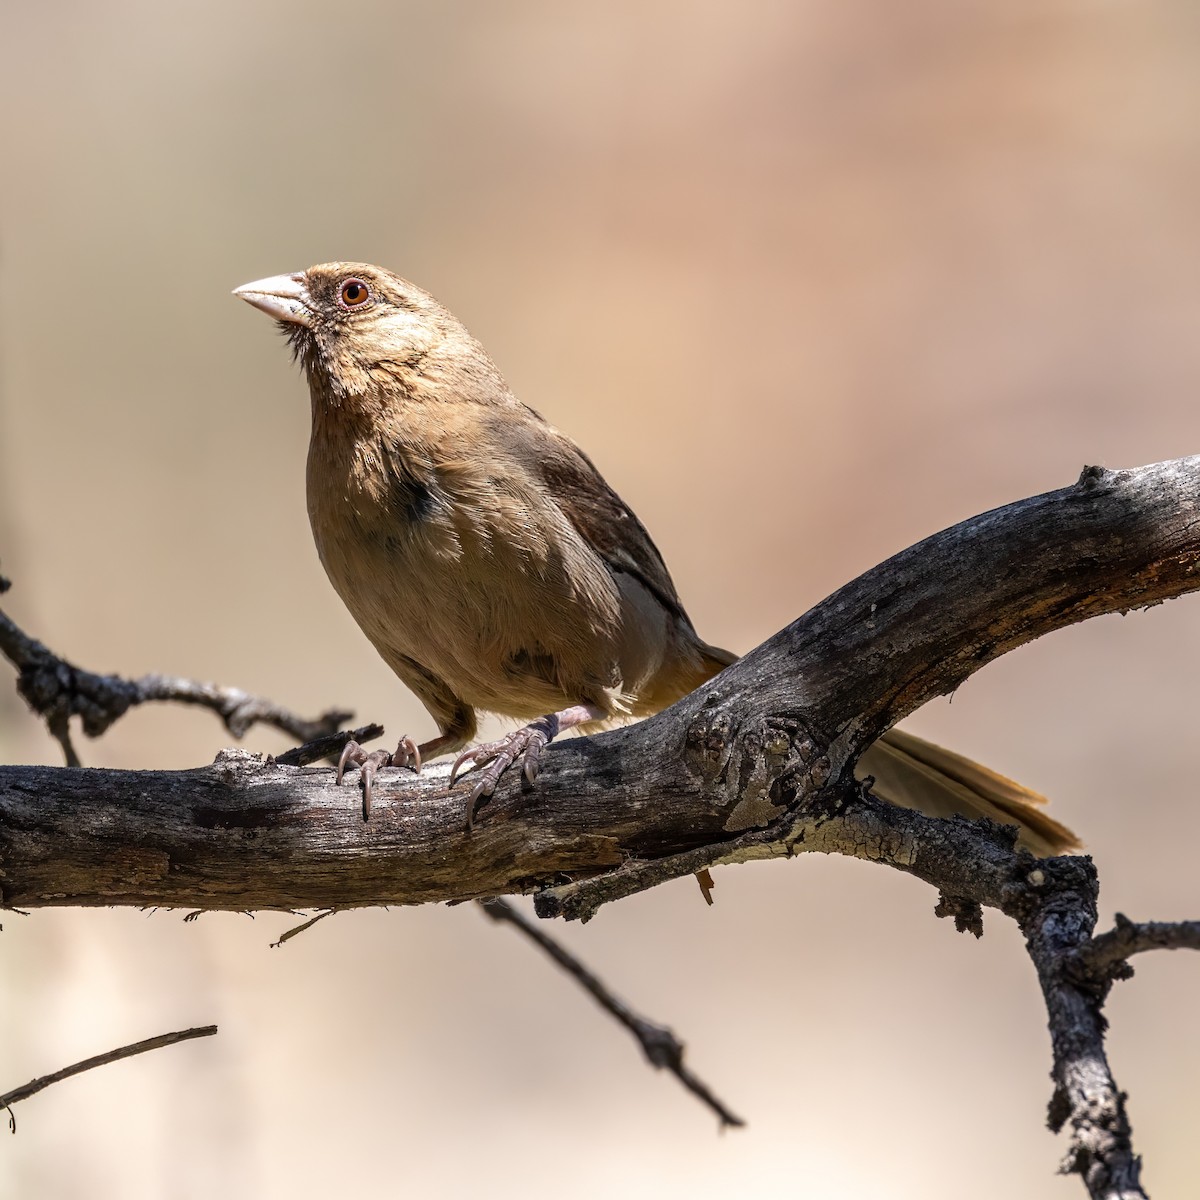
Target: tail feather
[715,659]
[687,673]
[917,774]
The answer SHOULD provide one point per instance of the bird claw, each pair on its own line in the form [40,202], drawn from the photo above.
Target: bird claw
[529,741]
[406,754]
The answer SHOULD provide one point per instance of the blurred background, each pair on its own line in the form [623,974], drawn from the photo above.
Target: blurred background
[809,281]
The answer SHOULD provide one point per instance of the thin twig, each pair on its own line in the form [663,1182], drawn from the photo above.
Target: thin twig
[327,745]
[57,690]
[59,724]
[237,709]
[658,1043]
[100,1060]
[299,929]
[1106,951]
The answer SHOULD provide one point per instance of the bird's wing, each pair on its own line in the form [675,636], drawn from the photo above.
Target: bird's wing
[600,517]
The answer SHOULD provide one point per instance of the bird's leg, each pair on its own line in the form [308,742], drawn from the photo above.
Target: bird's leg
[407,754]
[529,741]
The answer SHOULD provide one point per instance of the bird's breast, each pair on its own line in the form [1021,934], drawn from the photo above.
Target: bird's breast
[469,571]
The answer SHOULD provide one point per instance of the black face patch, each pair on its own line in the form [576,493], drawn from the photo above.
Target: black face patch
[300,341]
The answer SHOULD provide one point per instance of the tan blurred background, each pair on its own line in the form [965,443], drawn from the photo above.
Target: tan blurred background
[809,281]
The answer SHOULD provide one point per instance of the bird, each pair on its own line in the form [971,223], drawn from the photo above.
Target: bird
[486,559]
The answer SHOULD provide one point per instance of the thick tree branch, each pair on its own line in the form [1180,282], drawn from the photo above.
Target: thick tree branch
[758,763]
[724,775]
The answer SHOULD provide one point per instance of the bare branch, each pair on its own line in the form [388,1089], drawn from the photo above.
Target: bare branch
[237,709]
[659,1044]
[57,690]
[296,930]
[100,1060]
[721,776]
[1106,955]
[329,745]
[757,763]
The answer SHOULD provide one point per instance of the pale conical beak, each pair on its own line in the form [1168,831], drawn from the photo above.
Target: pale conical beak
[283,297]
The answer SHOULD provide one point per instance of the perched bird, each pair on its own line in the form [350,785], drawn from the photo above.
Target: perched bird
[490,564]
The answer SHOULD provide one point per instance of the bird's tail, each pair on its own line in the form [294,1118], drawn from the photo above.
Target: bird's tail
[714,660]
[696,664]
[917,774]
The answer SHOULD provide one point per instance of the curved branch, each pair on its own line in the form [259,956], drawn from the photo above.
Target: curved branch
[722,776]
[98,1060]
[757,763]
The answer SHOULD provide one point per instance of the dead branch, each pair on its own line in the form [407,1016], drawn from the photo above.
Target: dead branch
[659,1044]
[758,763]
[1108,954]
[57,690]
[8,1099]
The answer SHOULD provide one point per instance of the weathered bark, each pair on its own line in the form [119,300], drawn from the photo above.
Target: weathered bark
[757,763]
[723,775]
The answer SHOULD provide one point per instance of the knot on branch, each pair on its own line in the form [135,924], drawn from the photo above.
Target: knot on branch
[967,913]
[1101,1150]
[660,1045]
[758,770]
[233,763]
[1053,896]
[56,690]
[1093,478]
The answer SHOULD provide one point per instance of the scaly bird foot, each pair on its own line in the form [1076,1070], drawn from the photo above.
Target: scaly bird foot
[499,755]
[407,754]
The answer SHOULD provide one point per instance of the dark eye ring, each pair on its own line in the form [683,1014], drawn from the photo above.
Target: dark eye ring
[354,294]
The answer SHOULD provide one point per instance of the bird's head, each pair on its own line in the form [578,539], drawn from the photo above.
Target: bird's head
[359,330]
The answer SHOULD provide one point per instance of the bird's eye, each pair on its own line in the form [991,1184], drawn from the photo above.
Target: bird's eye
[354,293]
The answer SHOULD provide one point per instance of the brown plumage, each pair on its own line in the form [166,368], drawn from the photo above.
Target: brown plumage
[488,561]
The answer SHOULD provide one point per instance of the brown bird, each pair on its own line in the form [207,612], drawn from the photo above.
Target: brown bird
[492,567]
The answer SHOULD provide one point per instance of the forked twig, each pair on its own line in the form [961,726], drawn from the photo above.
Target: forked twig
[57,690]
[1108,953]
